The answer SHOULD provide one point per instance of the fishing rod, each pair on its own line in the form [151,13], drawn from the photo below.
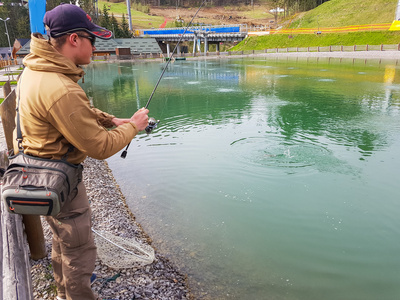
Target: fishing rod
[153,122]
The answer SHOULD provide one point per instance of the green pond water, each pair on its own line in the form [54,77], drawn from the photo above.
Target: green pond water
[267,178]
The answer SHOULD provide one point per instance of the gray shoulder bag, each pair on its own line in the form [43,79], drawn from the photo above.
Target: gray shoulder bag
[38,186]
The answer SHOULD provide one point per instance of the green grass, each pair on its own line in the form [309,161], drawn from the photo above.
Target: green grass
[312,40]
[337,13]
[11,82]
[139,19]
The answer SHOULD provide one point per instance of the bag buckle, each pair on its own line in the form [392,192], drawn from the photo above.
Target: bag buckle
[24,176]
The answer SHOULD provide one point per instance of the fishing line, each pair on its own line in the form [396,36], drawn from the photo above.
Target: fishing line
[153,122]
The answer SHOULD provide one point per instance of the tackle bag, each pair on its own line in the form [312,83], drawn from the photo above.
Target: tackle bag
[38,186]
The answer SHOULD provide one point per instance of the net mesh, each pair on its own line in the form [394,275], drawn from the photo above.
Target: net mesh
[121,252]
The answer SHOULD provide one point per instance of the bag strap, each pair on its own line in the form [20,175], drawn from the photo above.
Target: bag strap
[19,132]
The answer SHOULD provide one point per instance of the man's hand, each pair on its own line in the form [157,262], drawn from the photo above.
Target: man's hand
[140,119]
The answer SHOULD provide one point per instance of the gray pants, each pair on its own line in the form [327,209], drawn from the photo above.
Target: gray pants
[73,252]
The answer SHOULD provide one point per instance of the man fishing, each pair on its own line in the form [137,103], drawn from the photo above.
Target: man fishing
[58,122]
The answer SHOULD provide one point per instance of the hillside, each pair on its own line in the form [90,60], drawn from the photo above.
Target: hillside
[214,15]
[337,13]
[334,13]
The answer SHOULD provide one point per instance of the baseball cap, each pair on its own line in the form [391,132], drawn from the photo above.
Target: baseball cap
[67,18]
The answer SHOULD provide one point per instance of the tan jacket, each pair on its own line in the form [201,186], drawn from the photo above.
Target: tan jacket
[55,111]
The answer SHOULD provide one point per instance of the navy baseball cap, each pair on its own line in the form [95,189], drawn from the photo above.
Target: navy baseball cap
[67,18]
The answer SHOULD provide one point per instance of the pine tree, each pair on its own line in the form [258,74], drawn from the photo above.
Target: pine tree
[115,27]
[125,33]
[105,18]
[17,23]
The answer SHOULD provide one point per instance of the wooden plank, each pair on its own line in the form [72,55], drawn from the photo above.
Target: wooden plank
[2,271]
[7,111]
[17,281]
[6,89]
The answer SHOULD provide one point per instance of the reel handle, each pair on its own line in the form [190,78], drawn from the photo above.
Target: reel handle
[152,125]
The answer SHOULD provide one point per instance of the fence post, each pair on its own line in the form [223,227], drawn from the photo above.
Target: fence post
[367,47]
[381,47]
[354,48]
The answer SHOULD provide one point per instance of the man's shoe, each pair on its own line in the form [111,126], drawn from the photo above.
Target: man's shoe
[93,278]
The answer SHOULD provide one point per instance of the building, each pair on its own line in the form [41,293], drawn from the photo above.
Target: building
[129,46]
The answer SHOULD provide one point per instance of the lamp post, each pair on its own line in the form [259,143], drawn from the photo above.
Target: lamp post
[8,36]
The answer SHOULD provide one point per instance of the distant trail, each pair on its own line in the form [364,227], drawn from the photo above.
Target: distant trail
[165,22]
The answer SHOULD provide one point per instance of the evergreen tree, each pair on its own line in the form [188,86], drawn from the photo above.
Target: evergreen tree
[125,33]
[105,18]
[17,23]
[50,4]
[23,28]
[115,27]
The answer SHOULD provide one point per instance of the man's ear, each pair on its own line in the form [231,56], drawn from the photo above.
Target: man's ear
[72,39]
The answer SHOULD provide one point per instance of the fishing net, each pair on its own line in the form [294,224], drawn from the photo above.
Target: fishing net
[121,252]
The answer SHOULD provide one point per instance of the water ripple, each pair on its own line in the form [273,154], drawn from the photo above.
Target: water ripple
[274,151]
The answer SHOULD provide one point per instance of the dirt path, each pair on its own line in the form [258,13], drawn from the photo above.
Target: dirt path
[209,15]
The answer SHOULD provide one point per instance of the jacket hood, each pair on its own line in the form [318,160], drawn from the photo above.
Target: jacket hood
[44,57]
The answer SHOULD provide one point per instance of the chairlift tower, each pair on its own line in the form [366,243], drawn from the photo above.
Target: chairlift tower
[204,34]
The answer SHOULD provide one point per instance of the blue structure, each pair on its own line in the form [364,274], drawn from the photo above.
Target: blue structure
[214,29]
[37,9]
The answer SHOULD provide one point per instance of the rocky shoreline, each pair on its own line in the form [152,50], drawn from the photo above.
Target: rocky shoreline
[159,280]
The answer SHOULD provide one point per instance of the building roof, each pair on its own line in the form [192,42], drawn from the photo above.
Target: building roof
[4,51]
[137,45]
[23,41]
[140,45]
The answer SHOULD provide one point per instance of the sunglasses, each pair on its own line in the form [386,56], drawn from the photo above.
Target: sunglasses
[92,39]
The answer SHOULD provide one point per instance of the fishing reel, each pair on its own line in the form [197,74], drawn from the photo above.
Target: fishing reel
[152,125]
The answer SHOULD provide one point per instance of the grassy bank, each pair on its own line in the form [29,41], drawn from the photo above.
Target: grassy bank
[337,13]
[313,40]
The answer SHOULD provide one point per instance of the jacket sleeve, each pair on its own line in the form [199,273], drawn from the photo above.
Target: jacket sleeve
[103,118]
[73,117]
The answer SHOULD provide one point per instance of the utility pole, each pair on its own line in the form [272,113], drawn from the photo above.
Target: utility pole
[398,11]
[128,5]
[8,36]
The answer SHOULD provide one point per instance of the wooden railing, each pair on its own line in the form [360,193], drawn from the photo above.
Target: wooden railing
[7,62]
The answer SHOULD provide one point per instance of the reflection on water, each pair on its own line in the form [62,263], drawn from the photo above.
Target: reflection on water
[266,178]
